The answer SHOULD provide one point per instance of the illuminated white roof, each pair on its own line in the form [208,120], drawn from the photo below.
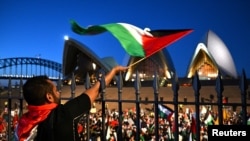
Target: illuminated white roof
[214,52]
[221,54]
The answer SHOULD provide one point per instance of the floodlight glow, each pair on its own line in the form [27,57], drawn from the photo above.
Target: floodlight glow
[66,37]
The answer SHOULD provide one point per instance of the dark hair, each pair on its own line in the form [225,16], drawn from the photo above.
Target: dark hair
[35,90]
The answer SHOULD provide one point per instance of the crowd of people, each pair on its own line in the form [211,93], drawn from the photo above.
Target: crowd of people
[186,121]
[4,124]
[147,124]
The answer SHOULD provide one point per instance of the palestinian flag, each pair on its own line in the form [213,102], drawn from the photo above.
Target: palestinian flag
[165,111]
[136,41]
[209,120]
[193,128]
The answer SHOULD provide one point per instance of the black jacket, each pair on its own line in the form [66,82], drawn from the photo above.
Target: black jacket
[61,124]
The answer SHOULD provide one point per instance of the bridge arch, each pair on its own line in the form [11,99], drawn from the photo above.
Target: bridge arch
[27,66]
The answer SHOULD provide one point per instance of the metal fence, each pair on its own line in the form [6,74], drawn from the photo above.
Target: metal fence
[12,105]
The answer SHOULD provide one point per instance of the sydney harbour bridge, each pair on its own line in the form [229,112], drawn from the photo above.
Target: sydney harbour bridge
[14,71]
[26,67]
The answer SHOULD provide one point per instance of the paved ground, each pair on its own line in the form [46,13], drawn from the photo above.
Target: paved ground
[128,93]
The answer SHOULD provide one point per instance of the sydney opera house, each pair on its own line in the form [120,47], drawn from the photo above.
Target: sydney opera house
[211,57]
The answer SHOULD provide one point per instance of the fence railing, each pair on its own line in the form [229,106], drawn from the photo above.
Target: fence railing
[157,101]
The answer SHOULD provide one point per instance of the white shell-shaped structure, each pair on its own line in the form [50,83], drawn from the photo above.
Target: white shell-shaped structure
[211,57]
[81,60]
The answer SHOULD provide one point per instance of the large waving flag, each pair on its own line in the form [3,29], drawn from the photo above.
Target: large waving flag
[135,41]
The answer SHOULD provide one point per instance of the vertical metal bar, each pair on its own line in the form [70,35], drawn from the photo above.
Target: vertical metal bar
[119,86]
[73,86]
[175,88]
[197,87]
[26,71]
[101,78]
[219,89]
[87,81]
[137,94]
[87,86]
[21,97]
[9,108]
[59,87]
[156,99]
[243,89]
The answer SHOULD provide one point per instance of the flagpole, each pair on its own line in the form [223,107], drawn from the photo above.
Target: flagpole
[137,62]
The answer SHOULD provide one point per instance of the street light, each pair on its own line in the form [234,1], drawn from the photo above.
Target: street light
[66,37]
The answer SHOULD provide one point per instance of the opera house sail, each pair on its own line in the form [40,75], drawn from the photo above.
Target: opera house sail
[210,58]
[161,62]
[79,59]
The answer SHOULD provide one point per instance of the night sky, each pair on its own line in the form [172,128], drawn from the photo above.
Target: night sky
[37,28]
